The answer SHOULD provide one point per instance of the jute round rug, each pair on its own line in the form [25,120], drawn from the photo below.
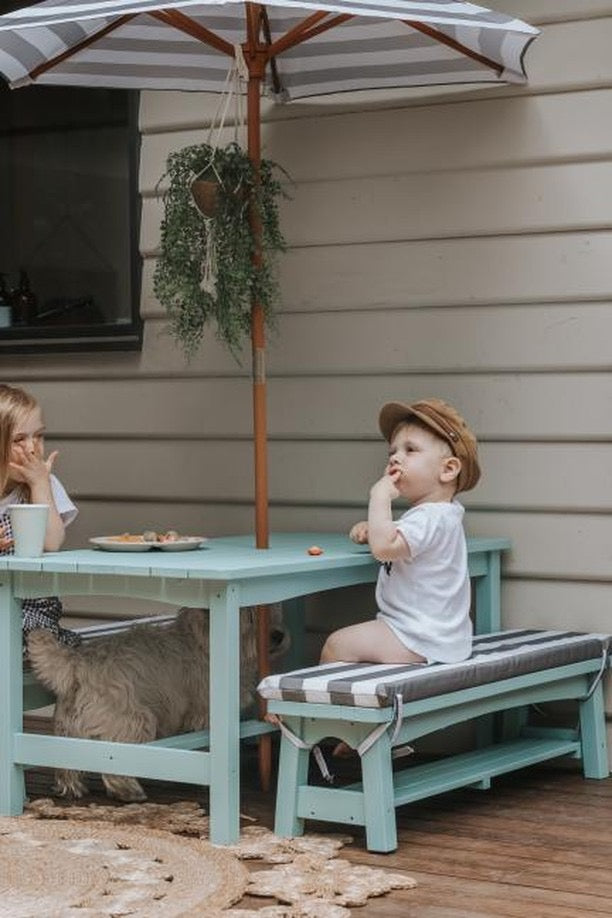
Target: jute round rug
[94,870]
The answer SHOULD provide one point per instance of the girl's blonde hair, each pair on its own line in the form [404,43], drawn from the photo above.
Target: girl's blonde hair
[14,403]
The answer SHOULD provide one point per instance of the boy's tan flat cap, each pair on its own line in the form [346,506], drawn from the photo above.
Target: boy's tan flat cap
[444,421]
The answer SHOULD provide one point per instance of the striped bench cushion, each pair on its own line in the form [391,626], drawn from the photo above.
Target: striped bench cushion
[496,656]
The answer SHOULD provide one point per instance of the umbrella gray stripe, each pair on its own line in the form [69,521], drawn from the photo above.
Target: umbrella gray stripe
[392,51]
[397,42]
[25,54]
[330,89]
[71,33]
[151,48]
[374,72]
[116,81]
[216,77]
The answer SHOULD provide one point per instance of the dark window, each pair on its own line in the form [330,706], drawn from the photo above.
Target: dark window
[68,219]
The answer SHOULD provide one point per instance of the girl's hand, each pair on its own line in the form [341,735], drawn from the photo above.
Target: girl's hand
[359,533]
[30,468]
[5,544]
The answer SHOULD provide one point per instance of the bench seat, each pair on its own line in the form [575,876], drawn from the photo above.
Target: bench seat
[378,708]
[494,657]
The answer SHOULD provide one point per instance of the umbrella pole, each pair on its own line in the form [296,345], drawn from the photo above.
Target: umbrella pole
[256,65]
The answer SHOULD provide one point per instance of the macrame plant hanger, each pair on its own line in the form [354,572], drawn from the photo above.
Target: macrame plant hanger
[205,191]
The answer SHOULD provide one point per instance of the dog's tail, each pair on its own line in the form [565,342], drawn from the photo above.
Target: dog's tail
[54,664]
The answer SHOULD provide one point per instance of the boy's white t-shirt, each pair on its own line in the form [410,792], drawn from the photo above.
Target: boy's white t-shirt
[66,509]
[425,599]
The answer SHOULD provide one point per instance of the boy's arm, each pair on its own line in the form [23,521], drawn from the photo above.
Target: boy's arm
[386,542]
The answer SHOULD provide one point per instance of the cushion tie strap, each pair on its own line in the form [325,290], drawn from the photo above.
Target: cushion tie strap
[364,745]
[299,743]
[377,732]
[599,675]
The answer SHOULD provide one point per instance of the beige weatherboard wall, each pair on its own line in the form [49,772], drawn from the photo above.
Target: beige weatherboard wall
[457,245]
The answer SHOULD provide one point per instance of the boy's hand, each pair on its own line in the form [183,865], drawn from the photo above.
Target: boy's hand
[359,533]
[30,468]
[386,487]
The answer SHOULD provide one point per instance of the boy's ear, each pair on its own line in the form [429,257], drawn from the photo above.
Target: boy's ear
[451,468]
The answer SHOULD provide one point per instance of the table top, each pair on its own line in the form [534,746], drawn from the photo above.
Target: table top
[225,558]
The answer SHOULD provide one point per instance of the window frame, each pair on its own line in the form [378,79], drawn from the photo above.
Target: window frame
[112,337]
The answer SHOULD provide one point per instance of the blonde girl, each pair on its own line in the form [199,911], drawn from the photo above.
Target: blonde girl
[25,477]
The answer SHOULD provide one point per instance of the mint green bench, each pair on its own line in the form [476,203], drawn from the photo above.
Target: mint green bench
[378,709]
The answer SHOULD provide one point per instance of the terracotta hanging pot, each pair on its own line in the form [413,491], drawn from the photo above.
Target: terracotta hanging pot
[205,195]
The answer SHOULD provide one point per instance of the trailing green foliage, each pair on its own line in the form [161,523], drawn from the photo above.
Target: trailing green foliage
[191,296]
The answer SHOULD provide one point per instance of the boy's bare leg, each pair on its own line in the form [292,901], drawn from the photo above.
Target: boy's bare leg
[368,642]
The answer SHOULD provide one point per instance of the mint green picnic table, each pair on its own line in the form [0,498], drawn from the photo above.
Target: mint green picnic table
[224,576]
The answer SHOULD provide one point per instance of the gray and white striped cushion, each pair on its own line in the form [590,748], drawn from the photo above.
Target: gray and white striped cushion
[496,656]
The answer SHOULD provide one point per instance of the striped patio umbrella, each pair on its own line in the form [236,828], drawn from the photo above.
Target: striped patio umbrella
[293,48]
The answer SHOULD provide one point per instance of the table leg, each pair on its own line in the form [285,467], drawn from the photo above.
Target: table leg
[224,709]
[264,750]
[488,596]
[12,789]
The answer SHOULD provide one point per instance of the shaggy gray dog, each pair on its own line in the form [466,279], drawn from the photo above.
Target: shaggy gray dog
[135,686]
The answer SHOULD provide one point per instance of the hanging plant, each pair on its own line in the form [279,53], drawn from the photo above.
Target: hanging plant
[205,271]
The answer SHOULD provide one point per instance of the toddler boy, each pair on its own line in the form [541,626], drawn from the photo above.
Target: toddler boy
[423,588]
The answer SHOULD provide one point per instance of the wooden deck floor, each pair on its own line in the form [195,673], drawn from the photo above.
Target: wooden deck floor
[537,845]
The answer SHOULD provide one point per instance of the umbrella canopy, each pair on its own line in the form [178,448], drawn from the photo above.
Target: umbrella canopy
[316,47]
[296,48]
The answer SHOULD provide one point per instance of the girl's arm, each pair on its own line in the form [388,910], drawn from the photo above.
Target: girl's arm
[385,540]
[35,472]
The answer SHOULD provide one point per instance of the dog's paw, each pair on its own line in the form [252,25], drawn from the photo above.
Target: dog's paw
[69,787]
[127,790]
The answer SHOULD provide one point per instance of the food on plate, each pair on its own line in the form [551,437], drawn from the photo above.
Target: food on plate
[126,537]
[315,550]
[170,536]
[149,535]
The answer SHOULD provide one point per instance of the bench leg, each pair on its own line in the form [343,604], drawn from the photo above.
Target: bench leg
[512,722]
[292,774]
[593,736]
[378,796]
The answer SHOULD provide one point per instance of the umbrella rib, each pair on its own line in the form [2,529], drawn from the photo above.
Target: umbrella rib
[452,43]
[276,81]
[65,55]
[191,27]
[306,30]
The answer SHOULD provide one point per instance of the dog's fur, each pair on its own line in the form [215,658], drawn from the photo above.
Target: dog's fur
[135,686]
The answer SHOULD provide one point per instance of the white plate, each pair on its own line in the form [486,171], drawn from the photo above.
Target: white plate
[185,544]
[108,543]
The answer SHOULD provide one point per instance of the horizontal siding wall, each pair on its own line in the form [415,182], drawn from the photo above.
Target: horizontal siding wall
[457,245]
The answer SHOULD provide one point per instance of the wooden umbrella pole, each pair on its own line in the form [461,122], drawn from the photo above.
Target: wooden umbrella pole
[256,62]
[257,323]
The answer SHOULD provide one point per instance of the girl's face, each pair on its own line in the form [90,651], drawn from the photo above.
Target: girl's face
[28,436]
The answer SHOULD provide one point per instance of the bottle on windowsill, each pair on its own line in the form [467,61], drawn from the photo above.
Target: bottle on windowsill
[25,306]
[5,304]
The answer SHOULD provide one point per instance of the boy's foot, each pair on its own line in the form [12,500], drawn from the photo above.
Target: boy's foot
[343,751]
